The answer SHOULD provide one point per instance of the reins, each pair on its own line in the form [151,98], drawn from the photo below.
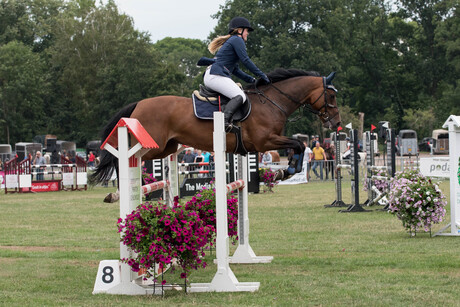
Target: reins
[309,107]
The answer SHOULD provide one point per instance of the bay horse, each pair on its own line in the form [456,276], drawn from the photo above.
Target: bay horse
[170,120]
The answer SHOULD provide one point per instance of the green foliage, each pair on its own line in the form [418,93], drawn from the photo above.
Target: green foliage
[393,59]
[184,53]
[23,86]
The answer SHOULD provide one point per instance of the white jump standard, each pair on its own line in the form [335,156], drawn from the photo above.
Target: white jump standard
[113,276]
[453,124]
[224,280]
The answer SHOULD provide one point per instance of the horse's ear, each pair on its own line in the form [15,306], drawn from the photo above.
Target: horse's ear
[330,77]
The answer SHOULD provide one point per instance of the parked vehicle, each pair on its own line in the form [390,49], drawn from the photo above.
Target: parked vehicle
[441,141]
[406,143]
[5,152]
[425,144]
[23,149]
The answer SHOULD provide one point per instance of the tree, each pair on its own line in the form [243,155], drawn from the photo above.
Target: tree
[183,53]
[101,63]
[22,88]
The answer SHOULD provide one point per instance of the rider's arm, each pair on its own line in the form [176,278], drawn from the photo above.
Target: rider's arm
[240,49]
[242,75]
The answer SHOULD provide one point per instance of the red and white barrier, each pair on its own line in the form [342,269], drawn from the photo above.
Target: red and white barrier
[21,176]
[239,184]
[154,186]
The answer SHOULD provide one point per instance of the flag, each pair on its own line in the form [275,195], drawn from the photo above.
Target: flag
[373,127]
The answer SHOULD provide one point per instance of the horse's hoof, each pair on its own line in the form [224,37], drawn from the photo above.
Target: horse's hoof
[111,198]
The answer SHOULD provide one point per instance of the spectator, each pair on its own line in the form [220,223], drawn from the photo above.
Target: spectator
[315,140]
[199,157]
[320,158]
[188,158]
[39,161]
[308,155]
[267,158]
[91,159]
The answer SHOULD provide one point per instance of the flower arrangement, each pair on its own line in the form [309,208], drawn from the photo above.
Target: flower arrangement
[416,201]
[148,178]
[268,178]
[160,235]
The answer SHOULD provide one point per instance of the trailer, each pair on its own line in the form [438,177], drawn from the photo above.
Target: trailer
[5,152]
[24,149]
[440,141]
[407,144]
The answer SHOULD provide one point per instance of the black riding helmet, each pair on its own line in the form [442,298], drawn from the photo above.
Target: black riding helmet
[239,22]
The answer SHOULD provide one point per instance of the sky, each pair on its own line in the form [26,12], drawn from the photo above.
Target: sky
[173,18]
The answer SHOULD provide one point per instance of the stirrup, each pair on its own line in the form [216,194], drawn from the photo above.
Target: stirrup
[228,127]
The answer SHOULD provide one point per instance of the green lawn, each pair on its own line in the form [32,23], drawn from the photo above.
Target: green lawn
[51,245]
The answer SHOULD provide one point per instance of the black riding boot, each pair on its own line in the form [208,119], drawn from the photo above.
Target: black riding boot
[230,109]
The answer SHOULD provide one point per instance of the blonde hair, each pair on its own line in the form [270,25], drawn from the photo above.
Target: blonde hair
[218,42]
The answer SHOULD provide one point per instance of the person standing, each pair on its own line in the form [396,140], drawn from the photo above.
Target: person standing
[189,157]
[308,155]
[320,158]
[39,161]
[91,159]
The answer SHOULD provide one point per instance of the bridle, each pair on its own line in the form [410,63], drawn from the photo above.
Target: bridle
[323,112]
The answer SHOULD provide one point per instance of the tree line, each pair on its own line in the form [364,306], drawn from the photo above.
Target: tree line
[66,66]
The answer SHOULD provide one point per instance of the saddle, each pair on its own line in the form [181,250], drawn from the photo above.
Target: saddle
[207,101]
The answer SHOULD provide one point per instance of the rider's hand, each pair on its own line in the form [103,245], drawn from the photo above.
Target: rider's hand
[265,78]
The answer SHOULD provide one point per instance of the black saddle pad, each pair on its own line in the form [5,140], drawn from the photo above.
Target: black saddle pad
[204,109]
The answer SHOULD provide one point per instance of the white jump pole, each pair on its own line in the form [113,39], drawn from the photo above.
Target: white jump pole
[224,280]
[244,252]
[453,124]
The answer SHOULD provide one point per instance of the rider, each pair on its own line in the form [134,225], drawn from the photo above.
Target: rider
[230,49]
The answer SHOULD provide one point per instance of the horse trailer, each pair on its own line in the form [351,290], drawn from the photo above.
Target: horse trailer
[5,152]
[440,141]
[407,143]
[23,149]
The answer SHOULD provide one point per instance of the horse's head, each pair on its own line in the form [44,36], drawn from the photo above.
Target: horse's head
[323,102]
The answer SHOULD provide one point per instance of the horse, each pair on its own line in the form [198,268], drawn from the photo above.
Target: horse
[170,120]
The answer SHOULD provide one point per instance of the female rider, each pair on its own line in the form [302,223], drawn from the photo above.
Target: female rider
[230,49]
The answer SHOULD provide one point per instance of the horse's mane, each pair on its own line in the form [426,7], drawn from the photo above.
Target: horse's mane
[281,74]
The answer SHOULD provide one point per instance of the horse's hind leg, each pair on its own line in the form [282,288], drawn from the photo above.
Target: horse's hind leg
[295,161]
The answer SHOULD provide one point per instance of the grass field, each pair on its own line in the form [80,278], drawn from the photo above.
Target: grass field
[51,245]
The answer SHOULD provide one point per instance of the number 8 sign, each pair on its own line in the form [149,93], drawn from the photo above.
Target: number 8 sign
[108,276]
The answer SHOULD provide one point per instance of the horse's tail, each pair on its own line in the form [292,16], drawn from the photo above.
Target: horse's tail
[108,162]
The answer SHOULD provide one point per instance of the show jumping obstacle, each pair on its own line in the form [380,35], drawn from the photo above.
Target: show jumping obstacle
[115,277]
[224,280]
[20,175]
